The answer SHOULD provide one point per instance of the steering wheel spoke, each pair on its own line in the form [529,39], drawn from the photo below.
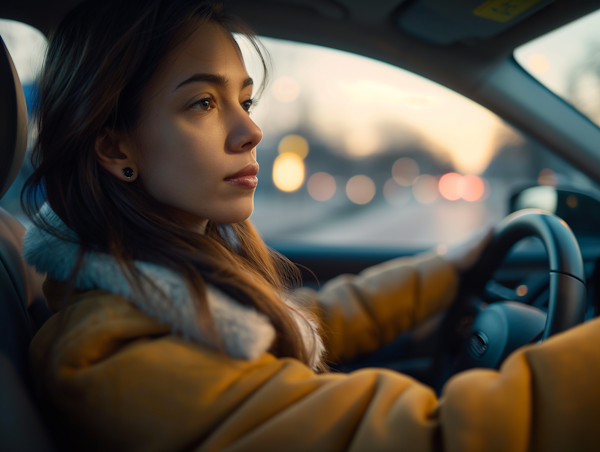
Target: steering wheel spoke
[499,330]
[501,327]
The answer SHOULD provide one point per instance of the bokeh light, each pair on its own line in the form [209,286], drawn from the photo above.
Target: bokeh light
[425,189]
[547,177]
[448,186]
[405,171]
[522,290]
[360,189]
[538,63]
[572,201]
[286,89]
[441,249]
[321,186]
[395,194]
[362,142]
[294,144]
[471,188]
[288,172]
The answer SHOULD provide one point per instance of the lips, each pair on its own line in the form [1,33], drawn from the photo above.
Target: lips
[246,177]
[251,169]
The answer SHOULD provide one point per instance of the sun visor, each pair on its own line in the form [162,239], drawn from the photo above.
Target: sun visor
[445,22]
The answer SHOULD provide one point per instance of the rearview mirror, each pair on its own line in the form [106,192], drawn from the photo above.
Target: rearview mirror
[580,211]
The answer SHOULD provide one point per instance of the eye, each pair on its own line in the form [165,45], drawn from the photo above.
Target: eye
[247,104]
[205,104]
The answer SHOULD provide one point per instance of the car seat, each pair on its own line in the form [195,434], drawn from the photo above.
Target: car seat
[21,425]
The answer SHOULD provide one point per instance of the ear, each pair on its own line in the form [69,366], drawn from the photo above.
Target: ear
[115,154]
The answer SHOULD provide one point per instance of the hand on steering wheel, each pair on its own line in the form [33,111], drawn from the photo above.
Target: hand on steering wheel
[483,337]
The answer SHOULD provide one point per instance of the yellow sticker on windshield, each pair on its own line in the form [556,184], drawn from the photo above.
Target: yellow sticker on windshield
[503,10]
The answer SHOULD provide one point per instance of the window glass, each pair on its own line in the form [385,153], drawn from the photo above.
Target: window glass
[358,152]
[27,47]
[567,62]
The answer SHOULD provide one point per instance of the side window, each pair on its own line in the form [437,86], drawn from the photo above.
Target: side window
[27,47]
[358,152]
[567,62]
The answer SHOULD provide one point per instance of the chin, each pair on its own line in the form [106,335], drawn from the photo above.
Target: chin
[234,214]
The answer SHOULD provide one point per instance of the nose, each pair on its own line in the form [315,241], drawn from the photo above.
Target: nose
[244,134]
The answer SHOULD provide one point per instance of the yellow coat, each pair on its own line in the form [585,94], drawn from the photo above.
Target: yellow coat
[122,381]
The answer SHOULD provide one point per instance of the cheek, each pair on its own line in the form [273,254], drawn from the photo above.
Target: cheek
[181,164]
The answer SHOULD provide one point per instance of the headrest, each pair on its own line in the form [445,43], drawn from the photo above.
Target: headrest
[13,121]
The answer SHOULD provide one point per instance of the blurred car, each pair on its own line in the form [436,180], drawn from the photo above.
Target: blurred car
[397,127]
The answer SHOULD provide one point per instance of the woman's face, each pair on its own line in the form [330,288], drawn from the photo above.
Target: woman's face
[195,147]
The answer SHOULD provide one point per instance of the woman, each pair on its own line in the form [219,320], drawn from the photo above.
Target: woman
[176,330]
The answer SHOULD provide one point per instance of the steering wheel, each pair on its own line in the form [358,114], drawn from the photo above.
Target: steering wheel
[476,336]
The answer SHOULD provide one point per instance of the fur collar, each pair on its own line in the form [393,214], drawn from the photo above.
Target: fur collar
[244,332]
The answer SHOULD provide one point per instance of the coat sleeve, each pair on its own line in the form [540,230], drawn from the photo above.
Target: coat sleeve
[360,313]
[121,382]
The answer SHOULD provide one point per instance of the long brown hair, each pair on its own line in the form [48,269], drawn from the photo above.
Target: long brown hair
[99,61]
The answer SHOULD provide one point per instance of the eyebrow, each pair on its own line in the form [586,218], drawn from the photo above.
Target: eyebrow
[213,79]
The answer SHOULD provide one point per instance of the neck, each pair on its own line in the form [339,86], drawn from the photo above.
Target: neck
[190,221]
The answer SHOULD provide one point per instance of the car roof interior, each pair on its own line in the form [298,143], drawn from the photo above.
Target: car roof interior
[400,32]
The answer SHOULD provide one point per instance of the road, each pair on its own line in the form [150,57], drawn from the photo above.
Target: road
[339,223]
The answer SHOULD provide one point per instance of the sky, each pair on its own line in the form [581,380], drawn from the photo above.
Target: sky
[362,106]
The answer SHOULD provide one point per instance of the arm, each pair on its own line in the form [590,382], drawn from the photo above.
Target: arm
[359,314]
[122,382]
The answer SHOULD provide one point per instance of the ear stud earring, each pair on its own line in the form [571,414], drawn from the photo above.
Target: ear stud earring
[128,172]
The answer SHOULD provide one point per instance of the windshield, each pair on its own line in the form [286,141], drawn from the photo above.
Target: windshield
[358,152]
[361,153]
[567,62]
